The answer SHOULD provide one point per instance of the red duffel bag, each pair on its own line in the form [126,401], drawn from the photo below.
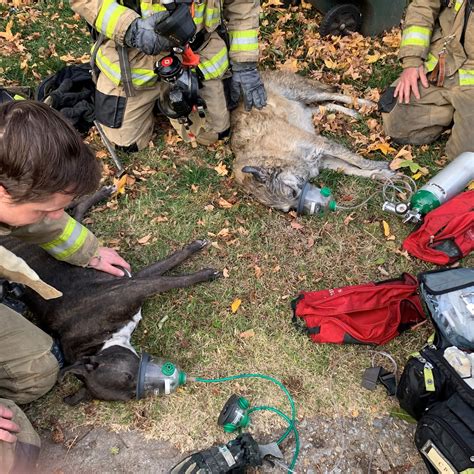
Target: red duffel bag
[447,232]
[373,313]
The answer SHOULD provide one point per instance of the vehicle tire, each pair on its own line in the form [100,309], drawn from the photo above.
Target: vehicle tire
[341,20]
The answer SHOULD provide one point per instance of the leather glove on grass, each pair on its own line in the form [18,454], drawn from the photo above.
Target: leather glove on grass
[246,81]
[141,35]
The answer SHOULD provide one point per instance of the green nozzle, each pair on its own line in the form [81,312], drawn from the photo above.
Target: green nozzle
[168,369]
[326,192]
[182,378]
[332,205]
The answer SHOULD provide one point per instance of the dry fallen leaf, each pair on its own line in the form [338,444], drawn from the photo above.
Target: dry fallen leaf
[235,305]
[225,273]
[144,239]
[221,169]
[120,184]
[258,271]
[386,228]
[224,204]
[296,225]
[247,334]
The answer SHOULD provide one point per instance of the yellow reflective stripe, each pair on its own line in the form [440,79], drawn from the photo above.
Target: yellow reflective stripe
[149,9]
[416,36]
[216,66]
[458,5]
[429,379]
[243,40]
[18,97]
[109,14]
[199,13]
[212,17]
[431,62]
[140,77]
[466,77]
[468,471]
[112,71]
[71,239]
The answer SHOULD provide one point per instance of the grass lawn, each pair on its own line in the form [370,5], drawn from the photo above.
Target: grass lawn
[174,194]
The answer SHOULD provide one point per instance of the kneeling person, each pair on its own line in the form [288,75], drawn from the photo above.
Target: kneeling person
[44,165]
[437,51]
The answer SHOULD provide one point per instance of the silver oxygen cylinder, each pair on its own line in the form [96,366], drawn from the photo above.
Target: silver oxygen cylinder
[445,185]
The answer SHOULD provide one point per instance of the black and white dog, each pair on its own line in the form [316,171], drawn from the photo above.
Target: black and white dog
[96,315]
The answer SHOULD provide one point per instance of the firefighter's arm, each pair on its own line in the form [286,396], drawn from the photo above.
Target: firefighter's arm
[107,17]
[416,37]
[65,239]
[242,18]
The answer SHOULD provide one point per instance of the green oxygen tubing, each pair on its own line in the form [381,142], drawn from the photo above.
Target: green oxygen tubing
[290,420]
[158,376]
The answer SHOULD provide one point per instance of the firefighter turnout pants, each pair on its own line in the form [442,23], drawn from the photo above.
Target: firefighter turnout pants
[422,121]
[28,370]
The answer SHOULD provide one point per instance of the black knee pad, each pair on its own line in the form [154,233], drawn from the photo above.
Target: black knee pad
[133,148]
[224,134]
[387,101]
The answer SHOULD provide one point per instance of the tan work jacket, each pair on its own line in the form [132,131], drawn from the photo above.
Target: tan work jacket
[65,239]
[111,19]
[433,28]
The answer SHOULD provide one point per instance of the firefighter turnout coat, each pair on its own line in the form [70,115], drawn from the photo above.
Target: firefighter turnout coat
[438,30]
[112,19]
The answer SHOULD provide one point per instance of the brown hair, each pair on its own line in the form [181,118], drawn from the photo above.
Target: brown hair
[42,154]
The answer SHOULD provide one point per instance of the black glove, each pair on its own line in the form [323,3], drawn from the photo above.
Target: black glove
[246,79]
[141,34]
[235,456]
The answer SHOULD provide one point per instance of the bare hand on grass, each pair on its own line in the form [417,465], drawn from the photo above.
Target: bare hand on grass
[408,83]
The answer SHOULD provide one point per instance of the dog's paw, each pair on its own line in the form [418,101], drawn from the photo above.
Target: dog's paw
[198,245]
[213,274]
[383,174]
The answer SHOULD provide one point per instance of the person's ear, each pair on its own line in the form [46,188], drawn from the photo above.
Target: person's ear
[4,193]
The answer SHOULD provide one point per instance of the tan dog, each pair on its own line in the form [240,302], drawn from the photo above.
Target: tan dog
[277,149]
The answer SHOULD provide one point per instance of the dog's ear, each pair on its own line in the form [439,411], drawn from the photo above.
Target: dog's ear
[81,367]
[259,173]
[82,395]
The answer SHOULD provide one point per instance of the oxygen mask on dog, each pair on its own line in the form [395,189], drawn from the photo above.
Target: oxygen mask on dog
[157,377]
[314,200]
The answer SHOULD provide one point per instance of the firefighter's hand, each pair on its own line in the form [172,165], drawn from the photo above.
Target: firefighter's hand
[141,35]
[408,83]
[108,260]
[246,81]
[7,426]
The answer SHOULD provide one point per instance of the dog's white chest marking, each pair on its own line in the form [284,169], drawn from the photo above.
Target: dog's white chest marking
[122,337]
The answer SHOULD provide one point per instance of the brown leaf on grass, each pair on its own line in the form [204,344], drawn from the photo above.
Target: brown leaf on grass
[247,334]
[235,305]
[144,240]
[296,225]
[194,188]
[258,271]
[209,208]
[172,138]
[221,169]
[310,243]
[225,272]
[386,228]
[101,154]
[349,218]
[159,219]
[223,203]
[224,233]
[290,65]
